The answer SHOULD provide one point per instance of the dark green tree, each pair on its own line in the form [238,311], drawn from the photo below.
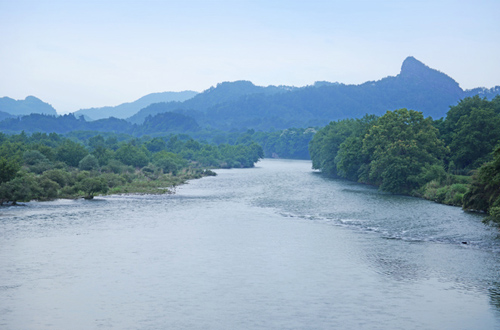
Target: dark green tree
[325,144]
[71,153]
[484,191]
[471,129]
[8,169]
[61,177]
[169,162]
[22,188]
[89,163]
[49,188]
[156,144]
[401,144]
[133,155]
[93,185]
[475,137]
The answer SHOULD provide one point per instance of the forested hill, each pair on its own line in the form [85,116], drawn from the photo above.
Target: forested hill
[126,110]
[417,87]
[242,105]
[5,115]
[163,123]
[27,106]
[226,92]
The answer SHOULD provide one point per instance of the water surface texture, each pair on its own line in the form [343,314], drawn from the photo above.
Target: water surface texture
[274,247]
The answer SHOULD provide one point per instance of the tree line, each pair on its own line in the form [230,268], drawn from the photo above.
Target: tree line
[454,160]
[288,143]
[47,166]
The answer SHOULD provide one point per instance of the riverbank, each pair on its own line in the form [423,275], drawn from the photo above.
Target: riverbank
[46,167]
[448,190]
[277,242]
[59,184]
[162,184]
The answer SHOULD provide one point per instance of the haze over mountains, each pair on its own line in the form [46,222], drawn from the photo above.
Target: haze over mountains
[10,108]
[417,87]
[241,105]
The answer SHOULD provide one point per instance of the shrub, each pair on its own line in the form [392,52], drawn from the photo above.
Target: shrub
[22,188]
[89,163]
[70,153]
[49,188]
[68,192]
[92,186]
[33,157]
[113,180]
[494,215]
[114,166]
[61,177]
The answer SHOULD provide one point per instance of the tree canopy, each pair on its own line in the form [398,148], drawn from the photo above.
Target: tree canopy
[484,192]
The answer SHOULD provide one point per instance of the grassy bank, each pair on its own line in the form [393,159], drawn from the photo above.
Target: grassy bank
[450,190]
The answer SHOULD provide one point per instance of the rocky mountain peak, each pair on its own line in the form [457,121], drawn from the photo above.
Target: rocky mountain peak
[414,70]
[412,66]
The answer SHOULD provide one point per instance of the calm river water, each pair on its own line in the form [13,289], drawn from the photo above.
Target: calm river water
[273,247]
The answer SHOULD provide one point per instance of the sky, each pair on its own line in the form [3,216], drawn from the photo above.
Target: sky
[83,54]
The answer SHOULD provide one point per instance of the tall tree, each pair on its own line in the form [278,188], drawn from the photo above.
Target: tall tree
[484,192]
[472,129]
[400,144]
[325,144]
[71,153]
[8,169]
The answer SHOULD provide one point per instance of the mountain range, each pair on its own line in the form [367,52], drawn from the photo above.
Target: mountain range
[416,87]
[241,105]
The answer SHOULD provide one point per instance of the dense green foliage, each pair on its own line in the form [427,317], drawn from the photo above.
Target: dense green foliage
[484,192]
[471,129]
[325,147]
[403,152]
[392,151]
[290,143]
[47,166]
[401,145]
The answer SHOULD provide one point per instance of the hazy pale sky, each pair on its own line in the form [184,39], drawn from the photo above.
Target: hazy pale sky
[81,54]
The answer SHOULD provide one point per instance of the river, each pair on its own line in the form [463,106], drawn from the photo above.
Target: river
[278,246]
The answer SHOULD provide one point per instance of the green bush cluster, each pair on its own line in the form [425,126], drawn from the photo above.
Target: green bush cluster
[447,194]
[484,192]
[396,152]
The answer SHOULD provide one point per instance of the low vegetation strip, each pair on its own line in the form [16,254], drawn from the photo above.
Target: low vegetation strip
[49,166]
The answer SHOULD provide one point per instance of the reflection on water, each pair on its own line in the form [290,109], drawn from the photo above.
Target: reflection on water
[275,247]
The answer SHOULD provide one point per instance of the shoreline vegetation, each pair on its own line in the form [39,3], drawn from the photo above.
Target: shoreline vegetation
[165,184]
[454,160]
[49,166]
